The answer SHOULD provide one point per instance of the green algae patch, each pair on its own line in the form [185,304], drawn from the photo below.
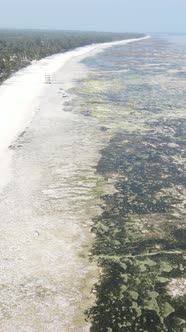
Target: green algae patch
[134,295]
[166,267]
[167,309]
[163,280]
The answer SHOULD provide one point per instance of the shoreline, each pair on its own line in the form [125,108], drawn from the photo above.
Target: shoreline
[46,217]
[33,78]
[46,213]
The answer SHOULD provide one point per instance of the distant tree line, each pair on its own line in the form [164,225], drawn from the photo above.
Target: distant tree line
[19,47]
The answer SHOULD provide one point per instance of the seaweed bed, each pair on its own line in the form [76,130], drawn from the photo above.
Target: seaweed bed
[137,95]
[140,236]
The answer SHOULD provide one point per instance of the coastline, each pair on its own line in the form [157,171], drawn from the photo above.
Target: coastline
[48,205]
[107,130]
[49,200]
[45,235]
[25,87]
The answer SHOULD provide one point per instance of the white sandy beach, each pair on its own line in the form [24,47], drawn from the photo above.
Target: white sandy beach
[45,201]
[19,95]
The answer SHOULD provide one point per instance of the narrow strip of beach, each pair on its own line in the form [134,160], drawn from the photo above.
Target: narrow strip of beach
[46,201]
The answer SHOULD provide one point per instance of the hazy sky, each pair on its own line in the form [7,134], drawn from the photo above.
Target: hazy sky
[103,15]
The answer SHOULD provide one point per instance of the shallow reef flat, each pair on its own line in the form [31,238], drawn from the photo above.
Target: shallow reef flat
[137,95]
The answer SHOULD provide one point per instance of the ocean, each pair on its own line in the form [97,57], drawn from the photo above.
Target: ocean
[92,208]
[137,94]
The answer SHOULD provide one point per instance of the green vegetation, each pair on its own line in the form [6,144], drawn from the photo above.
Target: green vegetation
[18,48]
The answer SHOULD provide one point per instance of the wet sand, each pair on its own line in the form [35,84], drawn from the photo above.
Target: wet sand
[45,218]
